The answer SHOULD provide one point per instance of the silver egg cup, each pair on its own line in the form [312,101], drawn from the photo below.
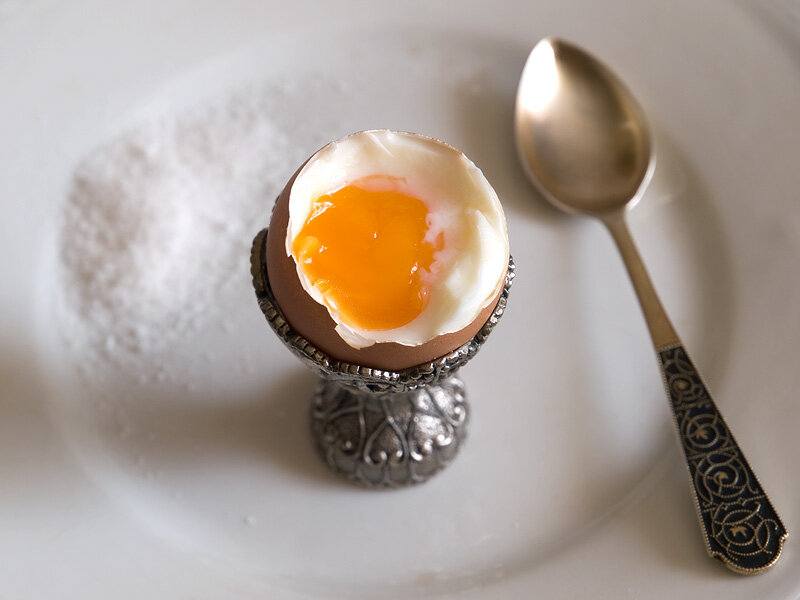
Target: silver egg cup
[381,428]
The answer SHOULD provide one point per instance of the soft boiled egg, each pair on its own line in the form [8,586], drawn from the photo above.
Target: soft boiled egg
[394,243]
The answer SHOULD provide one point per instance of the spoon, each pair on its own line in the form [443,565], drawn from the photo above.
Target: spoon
[585,143]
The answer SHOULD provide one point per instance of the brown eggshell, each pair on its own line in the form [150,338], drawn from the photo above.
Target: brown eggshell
[311,320]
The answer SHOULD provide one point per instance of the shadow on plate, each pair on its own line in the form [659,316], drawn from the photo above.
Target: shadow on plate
[169,435]
[33,468]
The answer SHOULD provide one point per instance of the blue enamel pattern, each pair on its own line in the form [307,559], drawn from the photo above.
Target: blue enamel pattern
[741,526]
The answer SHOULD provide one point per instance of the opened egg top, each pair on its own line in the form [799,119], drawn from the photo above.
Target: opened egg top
[397,236]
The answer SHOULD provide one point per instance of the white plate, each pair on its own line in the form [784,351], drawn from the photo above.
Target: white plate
[202,482]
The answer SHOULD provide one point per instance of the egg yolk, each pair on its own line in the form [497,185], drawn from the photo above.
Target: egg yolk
[365,251]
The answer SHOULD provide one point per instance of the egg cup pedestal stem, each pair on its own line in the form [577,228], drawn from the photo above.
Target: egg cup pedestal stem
[381,428]
[389,439]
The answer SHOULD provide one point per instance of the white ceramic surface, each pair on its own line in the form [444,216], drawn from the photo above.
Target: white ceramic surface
[571,484]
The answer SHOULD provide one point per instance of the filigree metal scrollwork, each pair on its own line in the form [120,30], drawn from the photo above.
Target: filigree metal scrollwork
[390,438]
[381,428]
[741,526]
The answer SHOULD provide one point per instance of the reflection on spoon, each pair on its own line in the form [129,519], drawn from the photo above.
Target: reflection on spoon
[585,143]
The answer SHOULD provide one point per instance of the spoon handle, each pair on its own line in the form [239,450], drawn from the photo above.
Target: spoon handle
[740,525]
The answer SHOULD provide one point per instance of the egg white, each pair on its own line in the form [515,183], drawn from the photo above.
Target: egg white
[467,273]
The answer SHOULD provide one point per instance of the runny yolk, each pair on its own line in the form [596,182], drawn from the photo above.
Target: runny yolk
[365,252]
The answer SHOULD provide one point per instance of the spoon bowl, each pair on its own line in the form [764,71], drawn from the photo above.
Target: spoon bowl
[582,137]
[584,142]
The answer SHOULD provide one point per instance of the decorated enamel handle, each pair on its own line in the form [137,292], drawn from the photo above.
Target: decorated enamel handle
[740,525]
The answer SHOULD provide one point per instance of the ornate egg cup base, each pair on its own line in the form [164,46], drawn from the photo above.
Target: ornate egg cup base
[376,427]
[389,439]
